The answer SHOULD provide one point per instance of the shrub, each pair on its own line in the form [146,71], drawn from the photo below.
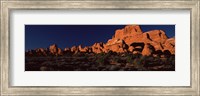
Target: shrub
[130,58]
[102,58]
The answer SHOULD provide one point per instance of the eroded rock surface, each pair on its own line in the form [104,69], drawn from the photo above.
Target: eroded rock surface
[129,39]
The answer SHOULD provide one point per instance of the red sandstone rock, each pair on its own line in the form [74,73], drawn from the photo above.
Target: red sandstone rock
[147,50]
[59,51]
[130,49]
[41,52]
[85,49]
[132,33]
[67,49]
[118,46]
[74,49]
[157,36]
[129,30]
[131,38]
[170,45]
[98,47]
[54,50]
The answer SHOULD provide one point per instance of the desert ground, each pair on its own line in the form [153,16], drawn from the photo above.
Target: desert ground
[100,62]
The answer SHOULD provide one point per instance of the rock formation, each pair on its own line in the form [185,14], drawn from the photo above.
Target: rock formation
[133,35]
[129,39]
[54,50]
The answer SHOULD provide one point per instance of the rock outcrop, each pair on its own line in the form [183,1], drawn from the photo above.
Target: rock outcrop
[98,47]
[170,45]
[132,34]
[129,39]
[54,50]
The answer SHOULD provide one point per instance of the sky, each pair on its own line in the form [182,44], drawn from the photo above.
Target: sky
[42,36]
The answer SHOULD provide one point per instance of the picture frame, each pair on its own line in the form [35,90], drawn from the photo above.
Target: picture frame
[8,5]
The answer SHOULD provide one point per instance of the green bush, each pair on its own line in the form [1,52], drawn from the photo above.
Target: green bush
[102,58]
[130,58]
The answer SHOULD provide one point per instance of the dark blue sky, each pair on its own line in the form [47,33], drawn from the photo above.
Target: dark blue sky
[42,36]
